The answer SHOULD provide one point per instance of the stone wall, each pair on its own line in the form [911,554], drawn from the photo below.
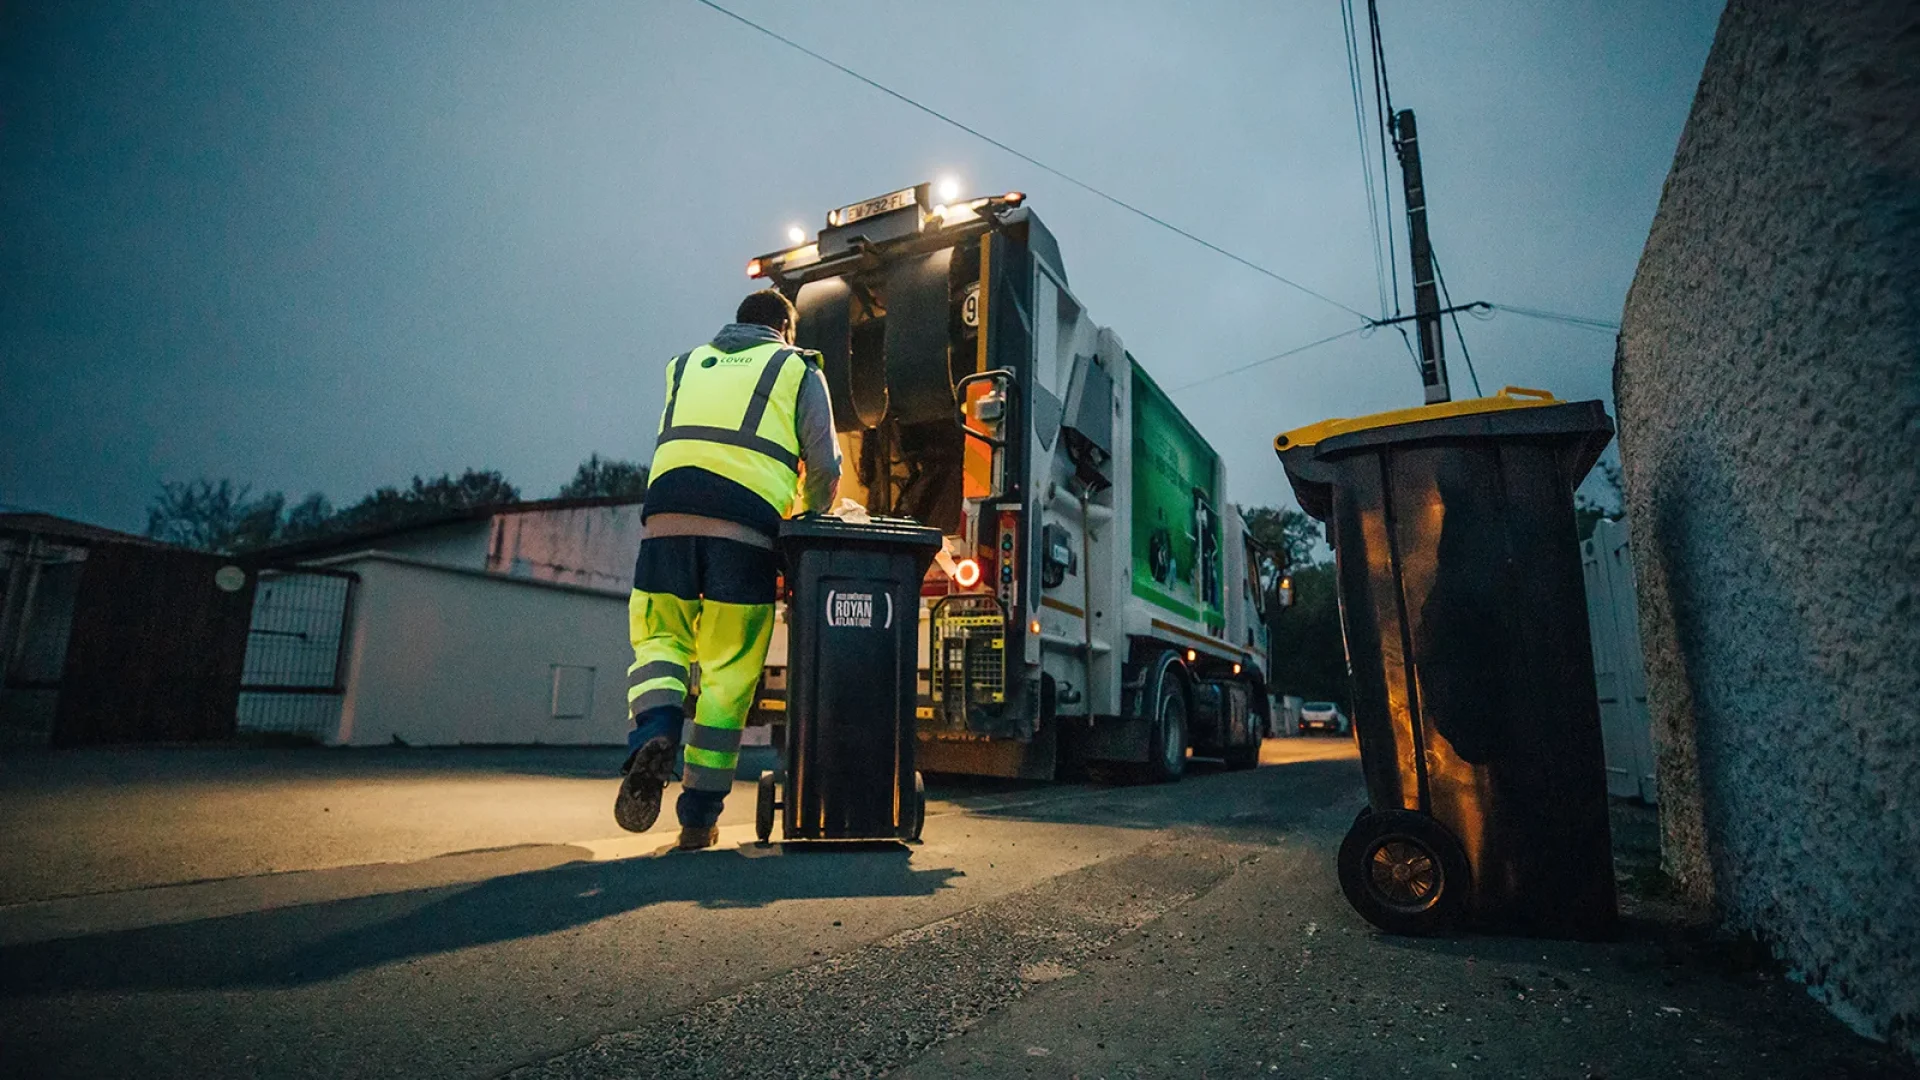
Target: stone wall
[1768,387]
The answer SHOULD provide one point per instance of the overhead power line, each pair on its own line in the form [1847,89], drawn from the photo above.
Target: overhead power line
[1033,161]
[1383,107]
[1383,115]
[1560,317]
[1270,359]
[1349,28]
[1447,299]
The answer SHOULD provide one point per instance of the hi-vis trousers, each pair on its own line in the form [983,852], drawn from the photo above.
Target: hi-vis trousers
[706,601]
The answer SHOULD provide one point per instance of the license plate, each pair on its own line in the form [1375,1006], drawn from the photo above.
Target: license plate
[860,211]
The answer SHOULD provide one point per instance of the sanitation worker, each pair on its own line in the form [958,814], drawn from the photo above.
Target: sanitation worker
[744,414]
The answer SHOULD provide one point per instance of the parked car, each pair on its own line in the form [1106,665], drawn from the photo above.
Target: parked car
[1323,716]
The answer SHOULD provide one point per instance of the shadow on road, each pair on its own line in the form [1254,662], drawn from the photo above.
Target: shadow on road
[316,942]
[116,766]
[1280,796]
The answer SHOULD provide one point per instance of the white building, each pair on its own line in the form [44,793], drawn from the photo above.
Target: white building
[503,625]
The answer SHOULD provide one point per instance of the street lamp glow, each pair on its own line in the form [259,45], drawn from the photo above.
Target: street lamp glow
[949,189]
[796,234]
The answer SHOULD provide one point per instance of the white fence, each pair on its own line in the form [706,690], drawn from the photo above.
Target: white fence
[1620,674]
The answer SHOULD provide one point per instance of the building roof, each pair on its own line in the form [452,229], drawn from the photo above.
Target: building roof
[359,538]
[75,532]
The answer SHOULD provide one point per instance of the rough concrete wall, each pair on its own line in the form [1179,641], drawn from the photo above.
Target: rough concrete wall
[1768,386]
[592,546]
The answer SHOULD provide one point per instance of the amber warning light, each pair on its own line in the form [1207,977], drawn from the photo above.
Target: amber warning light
[753,268]
[966,573]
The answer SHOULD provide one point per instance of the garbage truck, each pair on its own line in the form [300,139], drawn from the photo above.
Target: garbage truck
[1097,605]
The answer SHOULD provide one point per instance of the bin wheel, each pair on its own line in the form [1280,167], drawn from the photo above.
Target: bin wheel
[919,810]
[1404,872]
[764,808]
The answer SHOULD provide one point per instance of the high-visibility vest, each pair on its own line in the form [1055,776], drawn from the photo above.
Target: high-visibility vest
[733,414]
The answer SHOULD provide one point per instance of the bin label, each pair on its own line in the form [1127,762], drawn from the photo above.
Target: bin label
[855,609]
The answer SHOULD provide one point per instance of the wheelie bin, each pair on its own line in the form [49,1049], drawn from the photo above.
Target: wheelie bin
[853,625]
[1464,613]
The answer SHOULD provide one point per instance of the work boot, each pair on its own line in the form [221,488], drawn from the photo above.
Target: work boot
[647,771]
[697,837]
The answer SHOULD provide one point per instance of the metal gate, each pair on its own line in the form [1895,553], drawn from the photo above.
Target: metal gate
[117,640]
[1620,674]
[39,581]
[295,672]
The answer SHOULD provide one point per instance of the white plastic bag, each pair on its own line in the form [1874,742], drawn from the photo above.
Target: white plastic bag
[851,512]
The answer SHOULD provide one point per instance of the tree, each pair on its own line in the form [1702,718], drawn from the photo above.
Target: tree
[307,518]
[472,488]
[219,515]
[1309,656]
[600,477]
[425,499]
[1289,532]
[214,515]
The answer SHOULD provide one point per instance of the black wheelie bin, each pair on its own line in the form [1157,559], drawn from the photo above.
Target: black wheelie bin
[1464,612]
[853,631]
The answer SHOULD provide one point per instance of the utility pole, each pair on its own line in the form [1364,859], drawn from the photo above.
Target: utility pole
[1426,296]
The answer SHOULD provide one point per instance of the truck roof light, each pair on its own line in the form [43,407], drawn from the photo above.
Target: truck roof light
[949,189]
[796,234]
[1014,198]
[753,268]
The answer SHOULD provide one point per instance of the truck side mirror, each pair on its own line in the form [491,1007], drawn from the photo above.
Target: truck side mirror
[1281,596]
[982,400]
[983,404]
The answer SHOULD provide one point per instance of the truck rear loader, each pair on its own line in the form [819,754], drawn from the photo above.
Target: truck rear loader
[1098,602]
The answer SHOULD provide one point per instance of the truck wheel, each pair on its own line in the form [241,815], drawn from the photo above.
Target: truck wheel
[1247,757]
[1404,873]
[763,809]
[1169,750]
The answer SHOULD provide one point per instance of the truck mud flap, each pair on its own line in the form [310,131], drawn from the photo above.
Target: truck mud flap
[1009,758]
[1114,739]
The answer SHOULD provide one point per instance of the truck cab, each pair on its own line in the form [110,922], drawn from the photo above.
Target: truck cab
[1097,600]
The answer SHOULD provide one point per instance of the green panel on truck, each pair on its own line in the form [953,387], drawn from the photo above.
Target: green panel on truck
[1171,463]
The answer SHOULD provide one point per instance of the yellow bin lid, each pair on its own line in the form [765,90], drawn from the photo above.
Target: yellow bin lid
[1509,397]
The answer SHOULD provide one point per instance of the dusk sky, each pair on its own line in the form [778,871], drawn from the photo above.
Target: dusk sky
[328,246]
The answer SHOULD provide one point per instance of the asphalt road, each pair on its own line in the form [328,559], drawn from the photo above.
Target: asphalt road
[474,913]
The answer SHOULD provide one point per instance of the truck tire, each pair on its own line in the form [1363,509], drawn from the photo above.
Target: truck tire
[1404,873]
[1248,756]
[1167,749]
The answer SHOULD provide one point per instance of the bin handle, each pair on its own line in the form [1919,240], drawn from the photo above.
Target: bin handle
[1526,392]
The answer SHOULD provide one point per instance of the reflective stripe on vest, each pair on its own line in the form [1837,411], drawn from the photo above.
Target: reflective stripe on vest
[734,414]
